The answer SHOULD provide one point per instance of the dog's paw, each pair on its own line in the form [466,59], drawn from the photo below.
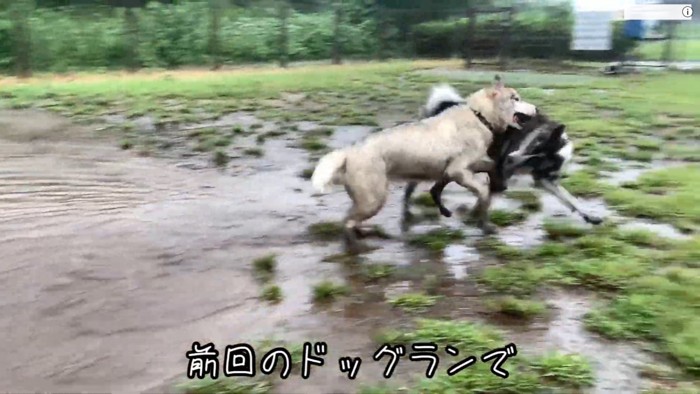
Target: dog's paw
[445,212]
[594,220]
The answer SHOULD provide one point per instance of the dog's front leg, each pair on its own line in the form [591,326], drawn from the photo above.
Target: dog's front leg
[497,183]
[567,199]
[460,173]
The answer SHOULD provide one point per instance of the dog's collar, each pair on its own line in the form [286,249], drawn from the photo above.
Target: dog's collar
[483,120]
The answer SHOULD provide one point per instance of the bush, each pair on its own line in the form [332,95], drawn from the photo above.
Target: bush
[537,33]
[94,37]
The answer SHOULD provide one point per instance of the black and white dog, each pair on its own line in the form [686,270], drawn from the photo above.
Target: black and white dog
[540,148]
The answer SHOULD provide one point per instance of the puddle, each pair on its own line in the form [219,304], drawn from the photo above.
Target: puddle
[631,171]
[616,365]
[661,229]
[530,233]
[106,251]
[458,258]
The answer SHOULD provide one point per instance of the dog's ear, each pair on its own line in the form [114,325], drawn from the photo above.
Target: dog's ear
[557,132]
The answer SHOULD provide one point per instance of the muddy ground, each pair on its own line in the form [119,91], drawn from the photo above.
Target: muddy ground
[113,264]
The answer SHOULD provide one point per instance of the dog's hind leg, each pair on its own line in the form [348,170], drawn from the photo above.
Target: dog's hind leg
[567,199]
[410,189]
[458,172]
[436,193]
[368,196]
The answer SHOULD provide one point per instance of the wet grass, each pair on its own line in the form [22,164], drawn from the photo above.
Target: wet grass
[220,158]
[377,272]
[313,144]
[559,229]
[565,370]
[414,302]
[227,386]
[529,200]
[641,274]
[516,307]
[424,200]
[326,231]
[265,266]
[327,291]
[271,293]
[503,218]
[525,375]
[254,152]
[670,195]
[307,173]
[436,240]
[296,350]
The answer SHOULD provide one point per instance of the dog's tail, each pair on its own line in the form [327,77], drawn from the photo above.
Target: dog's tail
[441,98]
[327,170]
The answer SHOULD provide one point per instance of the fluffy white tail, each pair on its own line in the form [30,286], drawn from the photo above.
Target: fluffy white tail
[326,170]
[440,95]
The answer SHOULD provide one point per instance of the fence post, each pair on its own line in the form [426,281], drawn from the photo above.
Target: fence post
[215,33]
[21,44]
[131,30]
[380,19]
[284,33]
[471,14]
[336,32]
[505,40]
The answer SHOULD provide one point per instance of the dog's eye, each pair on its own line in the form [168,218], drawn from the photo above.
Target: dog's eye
[516,98]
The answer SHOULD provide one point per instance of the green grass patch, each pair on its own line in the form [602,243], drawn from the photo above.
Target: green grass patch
[220,157]
[254,152]
[516,307]
[529,200]
[559,229]
[437,239]
[265,266]
[584,184]
[126,144]
[227,386]
[503,218]
[313,144]
[424,200]
[519,279]
[327,291]
[566,370]
[497,248]
[307,173]
[670,195]
[414,302]
[326,231]
[271,293]
[376,272]
[525,375]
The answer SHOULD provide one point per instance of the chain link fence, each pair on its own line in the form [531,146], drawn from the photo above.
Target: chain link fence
[131,34]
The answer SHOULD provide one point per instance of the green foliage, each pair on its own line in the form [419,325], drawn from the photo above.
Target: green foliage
[539,32]
[177,35]
[174,35]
